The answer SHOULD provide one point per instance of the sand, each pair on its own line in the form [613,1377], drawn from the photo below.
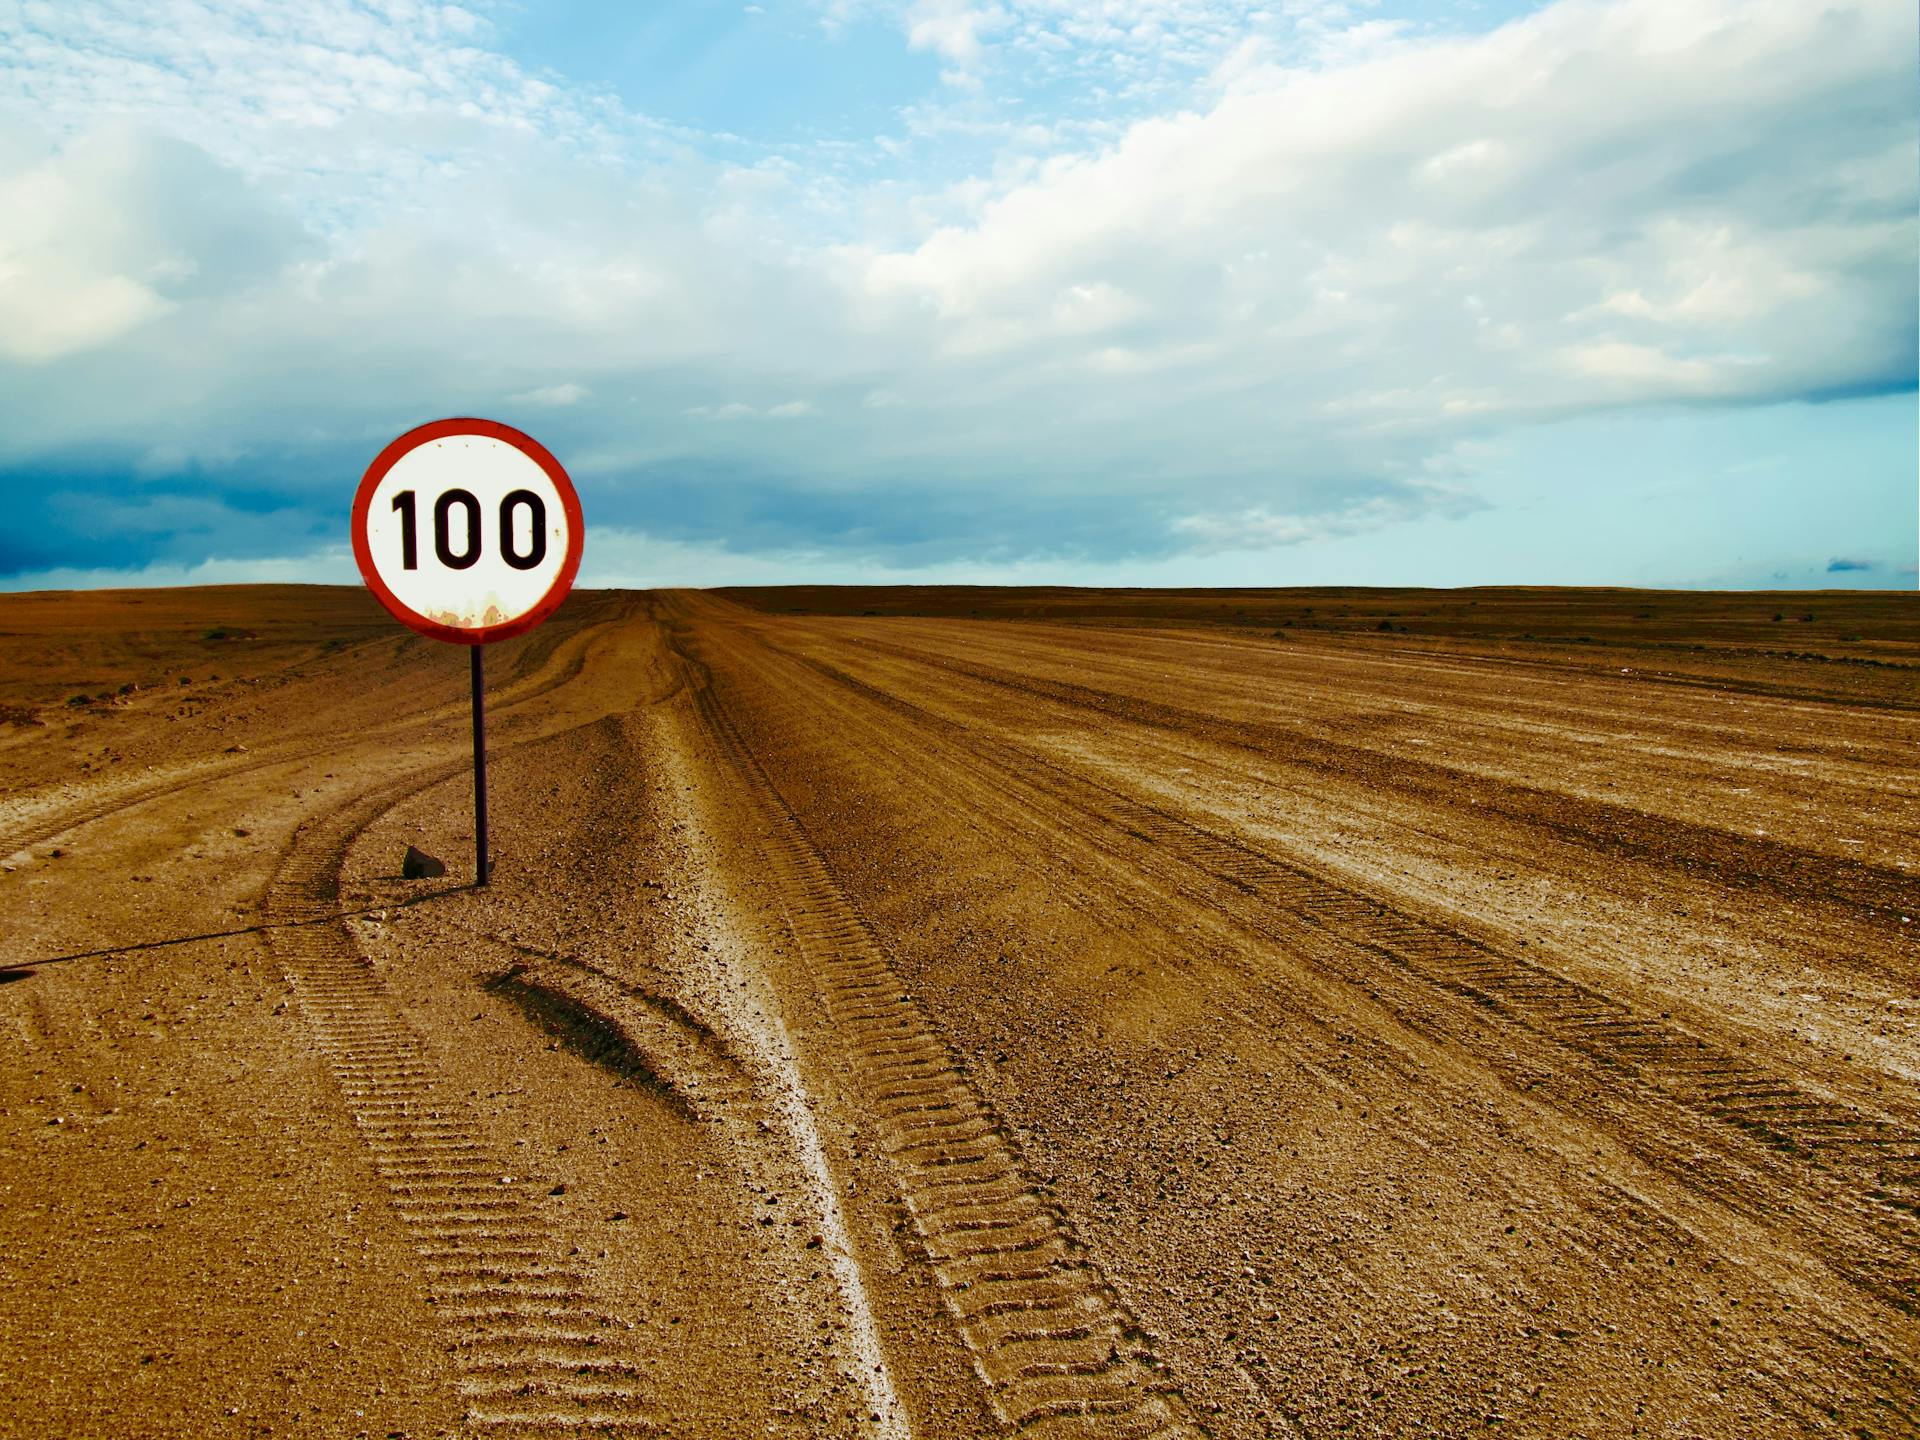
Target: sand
[957,1012]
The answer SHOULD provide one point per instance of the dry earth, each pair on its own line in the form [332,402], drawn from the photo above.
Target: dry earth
[947,1013]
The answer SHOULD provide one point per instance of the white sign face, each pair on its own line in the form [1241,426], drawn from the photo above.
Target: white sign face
[467,530]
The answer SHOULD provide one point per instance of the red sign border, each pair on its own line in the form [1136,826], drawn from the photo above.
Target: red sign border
[534,451]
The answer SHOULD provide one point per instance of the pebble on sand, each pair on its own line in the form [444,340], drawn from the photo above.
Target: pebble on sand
[418,865]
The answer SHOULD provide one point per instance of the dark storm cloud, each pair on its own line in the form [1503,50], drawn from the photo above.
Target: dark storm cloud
[106,519]
[746,509]
[100,518]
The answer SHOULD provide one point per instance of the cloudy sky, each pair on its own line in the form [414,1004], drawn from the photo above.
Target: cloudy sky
[1130,291]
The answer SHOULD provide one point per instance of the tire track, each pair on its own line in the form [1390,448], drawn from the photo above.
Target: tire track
[560,664]
[534,1356]
[1055,1346]
[1879,1161]
[1734,861]
[1351,934]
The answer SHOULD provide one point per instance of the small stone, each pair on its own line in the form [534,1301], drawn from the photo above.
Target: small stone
[418,865]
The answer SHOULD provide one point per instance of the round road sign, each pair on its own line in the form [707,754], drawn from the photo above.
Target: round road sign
[468,531]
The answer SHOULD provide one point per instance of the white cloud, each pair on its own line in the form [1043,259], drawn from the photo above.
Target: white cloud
[1620,360]
[50,307]
[954,28]
[735,410]
[93,244]
[1260,527]
[1122,55]
[1264,307]
[552,396]
[309,97]
[1605,183]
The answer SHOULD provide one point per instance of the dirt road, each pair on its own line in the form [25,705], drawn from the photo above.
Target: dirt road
[1285,1013]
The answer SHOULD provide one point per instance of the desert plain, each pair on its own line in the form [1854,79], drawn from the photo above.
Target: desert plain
[953,1012]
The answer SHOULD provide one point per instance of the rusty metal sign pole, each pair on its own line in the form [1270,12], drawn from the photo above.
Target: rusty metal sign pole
[481,870]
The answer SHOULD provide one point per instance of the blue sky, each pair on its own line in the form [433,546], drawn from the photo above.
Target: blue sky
[1104,291]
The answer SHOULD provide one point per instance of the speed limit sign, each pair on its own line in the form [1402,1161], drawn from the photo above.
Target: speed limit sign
[468,531]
